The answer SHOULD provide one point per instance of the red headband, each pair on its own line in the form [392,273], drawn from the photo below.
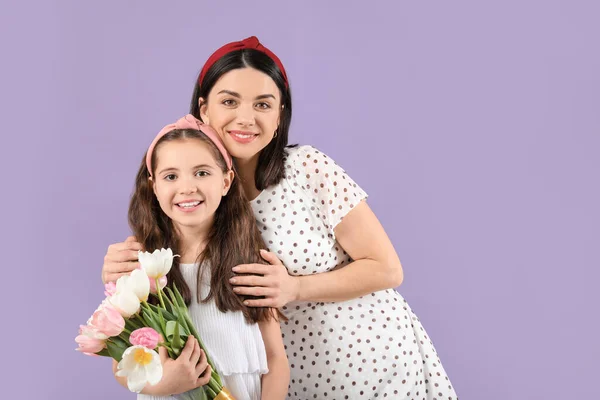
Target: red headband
[248,43]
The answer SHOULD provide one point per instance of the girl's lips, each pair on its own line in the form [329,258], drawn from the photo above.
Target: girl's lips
[189,206]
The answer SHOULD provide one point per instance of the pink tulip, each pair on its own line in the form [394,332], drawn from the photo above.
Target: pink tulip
[108,320]
[162,282]
[110,288]
[91,331]
[146,337]
[89,345]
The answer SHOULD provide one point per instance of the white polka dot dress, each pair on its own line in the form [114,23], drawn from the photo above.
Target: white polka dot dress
[372,347]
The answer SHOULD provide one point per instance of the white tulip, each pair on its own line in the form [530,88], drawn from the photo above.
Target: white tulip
[122,284]
[141,366]
[139,284]
[125,300]
[156,264]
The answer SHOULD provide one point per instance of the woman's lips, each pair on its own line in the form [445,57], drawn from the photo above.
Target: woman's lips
[243,136]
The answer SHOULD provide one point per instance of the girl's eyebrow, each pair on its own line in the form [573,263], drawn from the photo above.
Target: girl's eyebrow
[173,169]
[170,169]
[203,166]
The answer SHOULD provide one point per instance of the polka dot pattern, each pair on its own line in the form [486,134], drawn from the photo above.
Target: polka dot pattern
[372,347]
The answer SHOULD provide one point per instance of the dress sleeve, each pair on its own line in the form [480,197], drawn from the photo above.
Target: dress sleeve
[332,192]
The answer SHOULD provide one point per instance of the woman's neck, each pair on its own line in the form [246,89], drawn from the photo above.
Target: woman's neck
[247,173]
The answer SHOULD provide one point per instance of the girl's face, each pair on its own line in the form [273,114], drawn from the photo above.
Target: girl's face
[188,183]
[244,108]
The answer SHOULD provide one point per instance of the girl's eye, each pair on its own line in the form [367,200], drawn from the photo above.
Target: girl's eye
[263,106]
[228,102]
[202,173]
[170,177]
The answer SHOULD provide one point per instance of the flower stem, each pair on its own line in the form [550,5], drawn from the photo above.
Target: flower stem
[194,332]
[159,291]
[166,346]
[141,319]
[211,392]
[214,386]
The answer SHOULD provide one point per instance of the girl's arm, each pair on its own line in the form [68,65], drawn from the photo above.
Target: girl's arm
[275,383]
[189,371]
[155,390]
[376,267]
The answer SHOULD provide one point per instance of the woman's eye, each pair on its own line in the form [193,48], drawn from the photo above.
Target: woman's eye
[202,173]
[263,106]
[170,177]
[228,102]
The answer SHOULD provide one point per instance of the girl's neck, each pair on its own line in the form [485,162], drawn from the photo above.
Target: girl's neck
[193,242]
[247,173]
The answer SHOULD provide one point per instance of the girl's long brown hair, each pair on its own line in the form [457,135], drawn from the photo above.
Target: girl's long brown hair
[233,239]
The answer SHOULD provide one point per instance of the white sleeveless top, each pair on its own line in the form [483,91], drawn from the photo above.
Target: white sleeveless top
[235,346]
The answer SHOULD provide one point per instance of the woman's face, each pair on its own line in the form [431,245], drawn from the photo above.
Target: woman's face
[244,107]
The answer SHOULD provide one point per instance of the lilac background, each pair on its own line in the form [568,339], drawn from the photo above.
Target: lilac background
[474,127]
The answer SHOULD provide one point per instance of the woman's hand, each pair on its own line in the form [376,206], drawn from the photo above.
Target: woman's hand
[189,371]
[276,286]
[120,259]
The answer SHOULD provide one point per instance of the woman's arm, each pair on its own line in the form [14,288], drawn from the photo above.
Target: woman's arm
[376,266]
[275,383]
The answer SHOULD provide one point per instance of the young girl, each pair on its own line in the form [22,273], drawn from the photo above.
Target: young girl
[187,198]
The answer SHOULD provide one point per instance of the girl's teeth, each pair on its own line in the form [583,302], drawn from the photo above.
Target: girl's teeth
[194,204]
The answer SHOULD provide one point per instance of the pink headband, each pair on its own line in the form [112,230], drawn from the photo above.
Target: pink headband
[188,122]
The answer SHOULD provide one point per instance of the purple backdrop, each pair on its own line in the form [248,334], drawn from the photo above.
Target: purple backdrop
[474,128]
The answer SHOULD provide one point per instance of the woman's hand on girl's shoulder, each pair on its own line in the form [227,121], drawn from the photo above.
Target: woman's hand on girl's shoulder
[270,281]
[120,259]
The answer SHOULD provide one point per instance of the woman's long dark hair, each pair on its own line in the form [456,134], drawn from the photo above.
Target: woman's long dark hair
[233,239]
[270,169]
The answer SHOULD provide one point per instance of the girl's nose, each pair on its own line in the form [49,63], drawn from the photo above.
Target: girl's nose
[188,188]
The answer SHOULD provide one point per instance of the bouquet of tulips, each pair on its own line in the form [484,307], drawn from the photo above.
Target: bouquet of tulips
[129,329]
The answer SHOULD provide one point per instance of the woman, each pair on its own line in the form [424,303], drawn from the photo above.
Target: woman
[349,334]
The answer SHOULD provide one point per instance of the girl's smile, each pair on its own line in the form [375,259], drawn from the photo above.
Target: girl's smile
[189,206]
